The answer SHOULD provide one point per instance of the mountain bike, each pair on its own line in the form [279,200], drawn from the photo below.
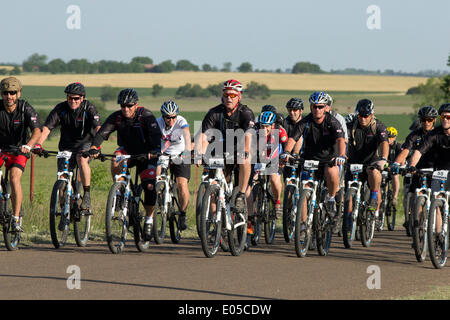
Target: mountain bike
[355,201]
[123,208]
[422,201]
[387,210]
[11,237]
[319,221]
[408,201]
[218,213]
[168,207]
[264,206]
[65,203]
[290,199]
[438,240]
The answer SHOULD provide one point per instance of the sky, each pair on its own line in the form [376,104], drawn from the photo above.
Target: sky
[402,35]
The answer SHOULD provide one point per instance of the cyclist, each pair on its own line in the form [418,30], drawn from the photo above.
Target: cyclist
[234,121]
[137,133]
[16,117]
[368,145]
[176,140]
[79,120]
[321,132]
[437,142]
[394,150]
[279,120]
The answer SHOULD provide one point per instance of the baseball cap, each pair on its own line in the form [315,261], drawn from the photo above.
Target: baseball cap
[10,84]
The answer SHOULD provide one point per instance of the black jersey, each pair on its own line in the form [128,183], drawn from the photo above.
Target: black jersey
[217,118]
[394,151]
[363,142]
[14,126]
[289,125]
[136,135]
[437,143]
[412,142]
[77,126]
[318,139]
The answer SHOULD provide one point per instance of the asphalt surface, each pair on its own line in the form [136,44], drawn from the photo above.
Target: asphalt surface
[181,271]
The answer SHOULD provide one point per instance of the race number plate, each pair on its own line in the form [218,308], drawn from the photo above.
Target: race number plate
[163,161]
[216,163]
[64,155]
[122,157]
[311,164]
[356,168]
[440,175]
[260,167]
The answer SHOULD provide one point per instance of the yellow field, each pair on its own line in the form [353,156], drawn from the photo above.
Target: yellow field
[8,68]
[273,80]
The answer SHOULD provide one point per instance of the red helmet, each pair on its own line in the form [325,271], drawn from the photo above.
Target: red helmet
[232,85]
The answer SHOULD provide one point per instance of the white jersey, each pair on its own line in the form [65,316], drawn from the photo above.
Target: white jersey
[172,141]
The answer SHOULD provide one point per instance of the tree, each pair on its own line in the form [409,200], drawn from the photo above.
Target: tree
[142,60]
[306,67]
[215,89]
[78,66]
[15,71]
[34,62]
[206,67]
[186,65]
[226,67]
[108,93]
[245,67]
[164,67]
[191,91]
[254,89]
[56,66]
[156,90]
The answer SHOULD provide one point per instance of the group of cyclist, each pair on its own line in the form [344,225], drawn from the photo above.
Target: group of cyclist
[322,135]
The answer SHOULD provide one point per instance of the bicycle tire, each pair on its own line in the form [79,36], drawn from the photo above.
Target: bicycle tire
[324,234]
[367,227]
[198,204]
[408,207]
[81,223]
[159,217]
[210,226]
[289,213]
[419,234]
[12,239]
[349,224]
[116,224]
[174,222]
[256,218]
[391,213]
[379,223]
[59,229]
[437,244]
[302,232]
[269,221]
[137,220]
[237,236]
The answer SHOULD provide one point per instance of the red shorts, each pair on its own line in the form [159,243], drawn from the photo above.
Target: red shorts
[19,161]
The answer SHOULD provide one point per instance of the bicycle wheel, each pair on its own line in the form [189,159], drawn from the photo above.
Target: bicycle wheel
[237,236]
[210,222]
[379,223]
[198,204]
[59,224]
[81,219]
[408,207]
[437,241]
[174,224]
[391,212]
[160,216]
[419,232]
[11,238]
[137,220]
[302,231]
[258,208]
[324,234]
[289,212]
[349,223]
[367,227]
[270,220]
[116,218]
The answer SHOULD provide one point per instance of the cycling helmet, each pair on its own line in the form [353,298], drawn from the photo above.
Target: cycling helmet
[444,108]
[169,108]
[320,97]
[427,112]
[294,103]
[127,96]
[232,85]
[364,107]
[75,88]
[392,132]
[267,117]
[269,107]
[350,117]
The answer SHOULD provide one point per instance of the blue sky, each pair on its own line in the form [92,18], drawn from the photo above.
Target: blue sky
[414,35]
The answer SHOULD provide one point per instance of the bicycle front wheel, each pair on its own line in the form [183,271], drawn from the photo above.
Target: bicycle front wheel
[116,219]
[256,218]
[160,216]
[59,224]
[198,204]
[419,232]
[348,222]
[82,222]
[437,241]
[289,213]
[302,231]
[391,212]
[210,222]
[270,220]
[237,236]
[137,220]
[367,226]
[174,217]
[11,238]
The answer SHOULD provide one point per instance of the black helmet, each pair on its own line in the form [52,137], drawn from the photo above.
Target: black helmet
[75,88]
[295,103]
[268,107]
[364,107]
[444,108]
[427,112]
[127,96]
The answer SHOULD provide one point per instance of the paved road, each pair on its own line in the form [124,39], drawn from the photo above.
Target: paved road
[182,272]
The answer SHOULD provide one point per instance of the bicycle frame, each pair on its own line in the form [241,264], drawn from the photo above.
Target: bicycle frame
[424,192]
[356,184]
[126,182]
[443,196]
[310,167]
[166,179]
[66,175]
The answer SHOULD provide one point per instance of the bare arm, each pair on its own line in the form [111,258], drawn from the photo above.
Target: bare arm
[44,135]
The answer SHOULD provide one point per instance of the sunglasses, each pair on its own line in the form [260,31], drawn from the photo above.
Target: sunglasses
[129,106]
[446,117]
[231,95]
[74,98]
[294,109]
[170,118]
[317,107]
[426,120]
[361,116]
[11,93]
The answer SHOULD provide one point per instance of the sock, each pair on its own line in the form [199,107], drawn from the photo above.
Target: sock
[86,189]
[148,219]
[376,214]
[278,202]
[331,199]
[373,194]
